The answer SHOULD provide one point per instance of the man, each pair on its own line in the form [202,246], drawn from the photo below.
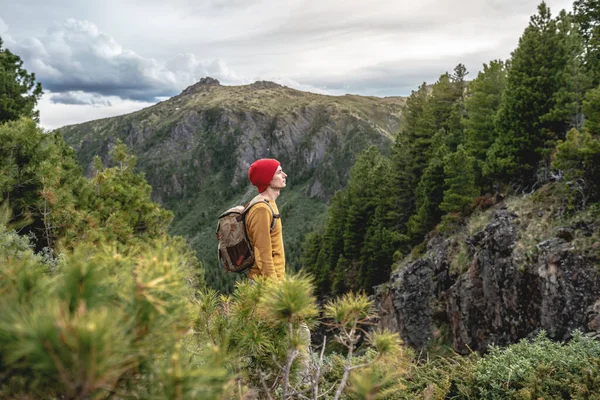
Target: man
[266,174]
[269,257]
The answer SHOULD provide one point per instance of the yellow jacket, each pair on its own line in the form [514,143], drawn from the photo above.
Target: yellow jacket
[269,254]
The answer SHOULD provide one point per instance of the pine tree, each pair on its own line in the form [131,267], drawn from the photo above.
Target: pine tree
[591,110]
[122,204]
[313,249]
[414,130]
[578,157]
[429,195]
[442,112]
[62,188]
[403,182]
[363,195]
[481,105]
[19,92]
[460,186]
[533,115]
[587,16]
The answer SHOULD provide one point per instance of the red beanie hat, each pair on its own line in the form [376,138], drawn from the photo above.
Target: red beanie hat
[261,173]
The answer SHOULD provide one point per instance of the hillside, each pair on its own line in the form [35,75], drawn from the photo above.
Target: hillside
[195,149]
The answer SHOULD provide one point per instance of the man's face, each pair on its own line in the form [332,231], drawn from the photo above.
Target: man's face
[279,179]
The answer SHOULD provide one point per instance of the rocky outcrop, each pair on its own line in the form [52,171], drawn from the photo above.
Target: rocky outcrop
[202,85]
[261,85]
[502,296]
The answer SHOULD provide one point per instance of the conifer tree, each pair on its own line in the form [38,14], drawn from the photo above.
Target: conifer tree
[322,250]
[403,182]
[460,186]
[481,105]
[442,112]
[314,261]
[19,92]
[578,158]
[429,195]
[363,194]
[591,110]
[532,115]
[587,16]
[60,205]
[414,130]
[122,204]
[41,181]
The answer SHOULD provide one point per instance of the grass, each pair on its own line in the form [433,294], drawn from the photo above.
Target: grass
[478,220]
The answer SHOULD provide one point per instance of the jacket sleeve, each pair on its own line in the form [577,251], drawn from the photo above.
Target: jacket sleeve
[259,230]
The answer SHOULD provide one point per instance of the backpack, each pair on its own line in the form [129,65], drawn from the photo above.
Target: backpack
[236,253]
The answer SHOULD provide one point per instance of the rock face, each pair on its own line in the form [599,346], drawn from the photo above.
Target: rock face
[502,296]
[200,86]
[210,130]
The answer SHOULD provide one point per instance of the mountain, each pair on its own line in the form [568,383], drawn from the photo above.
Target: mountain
[195,149]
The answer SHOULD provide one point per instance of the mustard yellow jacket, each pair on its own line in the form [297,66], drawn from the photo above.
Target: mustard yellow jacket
[269,254]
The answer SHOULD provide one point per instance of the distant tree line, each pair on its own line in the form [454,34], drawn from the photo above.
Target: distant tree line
[517,125]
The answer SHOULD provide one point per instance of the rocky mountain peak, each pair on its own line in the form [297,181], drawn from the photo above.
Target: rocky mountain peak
[265,85]
[201,85]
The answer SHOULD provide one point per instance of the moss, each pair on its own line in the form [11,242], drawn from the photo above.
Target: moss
[460,257]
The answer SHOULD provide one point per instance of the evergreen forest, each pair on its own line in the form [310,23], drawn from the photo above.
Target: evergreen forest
[99,300]
[465,145]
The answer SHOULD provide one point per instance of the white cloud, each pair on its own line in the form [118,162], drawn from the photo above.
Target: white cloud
[147,50]
[3,27]
[54,115]
[80,98]
[76,56]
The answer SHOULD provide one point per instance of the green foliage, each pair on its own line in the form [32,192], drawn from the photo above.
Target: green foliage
[262,328]
[481,105]
[42,182]
[540,100]
[540,369]
[121,202]
[460,185]
[51,200]
[358,231]
[107,322]
[45,186]
[104,322]
[591,109]
[19,92]
[403,181]
[578,157]
[429,195]
[416,131]
[587,16]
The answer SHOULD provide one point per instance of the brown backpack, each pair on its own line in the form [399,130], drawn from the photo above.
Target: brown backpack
[235,250]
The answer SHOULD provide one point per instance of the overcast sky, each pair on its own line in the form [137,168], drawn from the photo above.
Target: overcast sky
[102,58]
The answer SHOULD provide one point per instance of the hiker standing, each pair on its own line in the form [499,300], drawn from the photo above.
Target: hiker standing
[266,239]
[263,226]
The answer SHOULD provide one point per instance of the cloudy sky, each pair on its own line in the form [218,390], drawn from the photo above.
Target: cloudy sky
[103,58]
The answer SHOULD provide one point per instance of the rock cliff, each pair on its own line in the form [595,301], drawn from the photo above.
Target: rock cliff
[507,285]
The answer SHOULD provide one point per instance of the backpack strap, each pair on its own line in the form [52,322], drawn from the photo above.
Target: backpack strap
[253,202]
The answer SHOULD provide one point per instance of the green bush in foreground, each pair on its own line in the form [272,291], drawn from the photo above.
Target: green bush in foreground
[103,322]
[537,369]
[100,323]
